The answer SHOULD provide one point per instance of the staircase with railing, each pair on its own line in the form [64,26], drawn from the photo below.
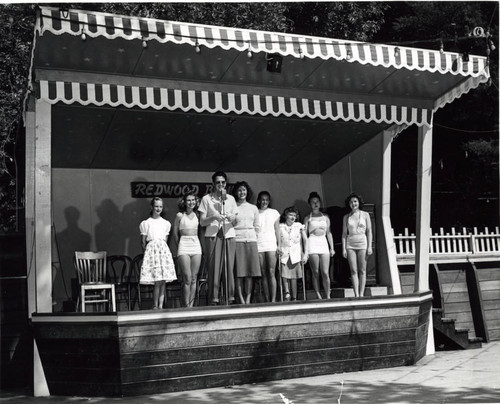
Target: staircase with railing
[464,275]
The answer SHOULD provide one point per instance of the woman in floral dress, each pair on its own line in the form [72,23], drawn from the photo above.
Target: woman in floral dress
[157,266]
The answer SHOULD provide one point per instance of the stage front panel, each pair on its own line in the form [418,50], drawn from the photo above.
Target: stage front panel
[149,352]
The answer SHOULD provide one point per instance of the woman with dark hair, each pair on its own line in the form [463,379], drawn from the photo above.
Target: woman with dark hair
[292,248]
[186,232]
[320,244]
[267,243]
[157,266]
[356,241]
[246,226]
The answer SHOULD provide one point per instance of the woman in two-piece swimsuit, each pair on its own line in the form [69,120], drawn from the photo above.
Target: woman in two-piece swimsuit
[356,242]
[186,228]
[321,247]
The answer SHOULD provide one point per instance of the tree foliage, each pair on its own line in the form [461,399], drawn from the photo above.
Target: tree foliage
[342,20]
[16,33]
[465,134]
[420,23]
[345,20]
[426,24]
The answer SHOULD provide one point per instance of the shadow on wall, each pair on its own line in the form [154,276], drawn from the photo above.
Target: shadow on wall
[303,208]
[69,240]
[132,215]
[110,234]
[117,233]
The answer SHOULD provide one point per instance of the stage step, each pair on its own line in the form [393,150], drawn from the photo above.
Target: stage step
[337,293]
[369,291]
[448,337]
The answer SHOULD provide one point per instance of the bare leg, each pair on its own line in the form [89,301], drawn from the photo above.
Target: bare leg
[286,289]
[263,270]
[185,267]
[195,267]
[239,289]
[280,279]
[314,264]
[248,289]
[161,296]
[353,265]
[324,267]
[156,294]
[294,288]
[361,255]
[271,267]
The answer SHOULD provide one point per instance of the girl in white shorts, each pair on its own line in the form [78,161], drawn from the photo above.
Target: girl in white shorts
[320,241]
[186,229]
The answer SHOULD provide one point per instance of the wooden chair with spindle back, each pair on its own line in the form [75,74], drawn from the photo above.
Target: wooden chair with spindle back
[91,270]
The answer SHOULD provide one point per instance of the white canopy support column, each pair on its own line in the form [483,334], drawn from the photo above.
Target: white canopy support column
[43,214]
[390,249]
[423,233]
[38,222]
[30,203]
[424,177]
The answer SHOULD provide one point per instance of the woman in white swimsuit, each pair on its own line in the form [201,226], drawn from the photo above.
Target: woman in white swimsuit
[356,242]
[320,241]
[186,228]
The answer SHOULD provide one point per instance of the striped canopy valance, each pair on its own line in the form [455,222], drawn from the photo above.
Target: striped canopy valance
[93,24]
[222,102]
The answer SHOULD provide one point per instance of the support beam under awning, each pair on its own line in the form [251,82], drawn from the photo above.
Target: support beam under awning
[424,178]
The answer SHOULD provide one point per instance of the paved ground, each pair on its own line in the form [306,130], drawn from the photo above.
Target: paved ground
[471,376]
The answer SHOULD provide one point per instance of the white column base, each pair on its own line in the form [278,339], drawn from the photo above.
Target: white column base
[430,349]
[40,387]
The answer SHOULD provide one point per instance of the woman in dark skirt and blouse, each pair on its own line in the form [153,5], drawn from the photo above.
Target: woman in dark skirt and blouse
[246,226]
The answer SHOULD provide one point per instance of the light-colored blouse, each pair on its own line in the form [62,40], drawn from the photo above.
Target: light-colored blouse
[155,229]
[266,239]
[246,224]
[290,242]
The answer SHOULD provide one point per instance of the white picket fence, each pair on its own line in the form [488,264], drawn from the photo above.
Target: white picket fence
[452,246]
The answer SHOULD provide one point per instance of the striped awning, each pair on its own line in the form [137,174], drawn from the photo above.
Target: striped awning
[220,102]
[373,104]
[94,24]
[458,91]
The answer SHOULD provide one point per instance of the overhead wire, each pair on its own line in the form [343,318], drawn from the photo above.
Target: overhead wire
[465,130]
[250,41]
[492,15]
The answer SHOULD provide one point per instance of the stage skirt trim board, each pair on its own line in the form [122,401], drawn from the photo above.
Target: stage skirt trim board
[149,352]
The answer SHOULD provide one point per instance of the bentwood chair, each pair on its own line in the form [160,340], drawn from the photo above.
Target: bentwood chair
[135,279]
[91,270]
[119,273]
